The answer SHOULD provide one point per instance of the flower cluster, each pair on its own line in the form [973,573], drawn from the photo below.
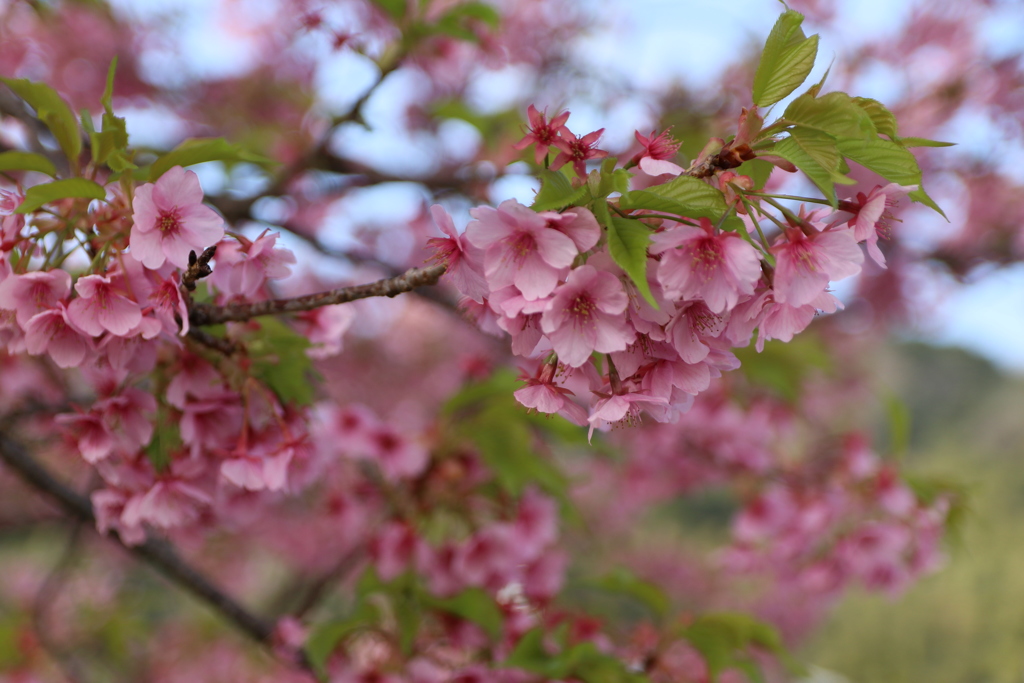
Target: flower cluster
[555,283]
[122,321]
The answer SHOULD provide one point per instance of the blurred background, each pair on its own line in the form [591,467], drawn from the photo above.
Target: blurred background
[944,324]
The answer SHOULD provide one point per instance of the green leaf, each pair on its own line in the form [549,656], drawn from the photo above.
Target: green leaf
[472,604]
[787,58]
[611,180]
[166,440]
[325,637]
[683,196]
[887,159]
[816,154]
[624,582]
[582,661]
[26,161]
[758,170]
[108,92]
[920,196]
[530,654]
[923,142]
[783,367]
[556,192]
[457,21]
[724,640]
[627,243]
[37,195]
[201,150]
[395,8]
[52,110]
[279,360]
[505,443]
[836,114]
[884,120]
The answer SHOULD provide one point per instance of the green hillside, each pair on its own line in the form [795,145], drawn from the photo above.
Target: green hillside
[966,623]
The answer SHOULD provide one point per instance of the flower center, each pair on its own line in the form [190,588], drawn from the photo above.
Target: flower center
[582,308]
[522,245]
[169,223]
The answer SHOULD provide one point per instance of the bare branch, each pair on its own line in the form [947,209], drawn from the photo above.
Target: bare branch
[155,551]
[208,314]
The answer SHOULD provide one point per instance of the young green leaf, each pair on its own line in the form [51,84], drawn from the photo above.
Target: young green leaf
[200,150]
[683,196]
[624,582]
[816,154]
[627,243]
[472,604]
[923,142]
[884,120]
[556,192]
[787,58]
[52,110]
[26,161]
[279,359]
[394,8]
[836,114]
[79,188]
[887,159]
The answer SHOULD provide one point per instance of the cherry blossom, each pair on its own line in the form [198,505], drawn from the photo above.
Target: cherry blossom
[585,316]
[698,264]
[542,132]
[170,220]
[520,248]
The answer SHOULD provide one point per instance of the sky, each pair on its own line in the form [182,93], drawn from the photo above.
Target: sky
[652,42]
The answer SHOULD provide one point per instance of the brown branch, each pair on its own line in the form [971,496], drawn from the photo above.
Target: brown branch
[208,314]
[154,551]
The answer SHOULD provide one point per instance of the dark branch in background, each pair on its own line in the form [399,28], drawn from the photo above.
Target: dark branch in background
[207,314]
[154,551]
[47,595]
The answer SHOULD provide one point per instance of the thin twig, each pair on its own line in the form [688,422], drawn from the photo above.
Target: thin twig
[209,314]
[156,552]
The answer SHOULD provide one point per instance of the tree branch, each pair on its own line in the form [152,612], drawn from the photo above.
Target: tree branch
[208,314]
[156,552]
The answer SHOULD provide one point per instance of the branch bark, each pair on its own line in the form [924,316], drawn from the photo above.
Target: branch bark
[208,314]
[156,552]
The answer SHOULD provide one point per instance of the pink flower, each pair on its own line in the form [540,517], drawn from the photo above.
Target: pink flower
[657,150]
[618,408]
[257,470]
[578,224]
[544,396]
[170,503]
[126,415]
[171,220]
[53,332]
[577,150]
[34,292]
[398,457]
[520,248]
[169,306]
[698,264]
[542,132]
[585,315]
[325,327]
[805,265]
[393,549]
[101,307]
[242,269]
[782,321]
[95,441]
[869,213]
[463,261]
